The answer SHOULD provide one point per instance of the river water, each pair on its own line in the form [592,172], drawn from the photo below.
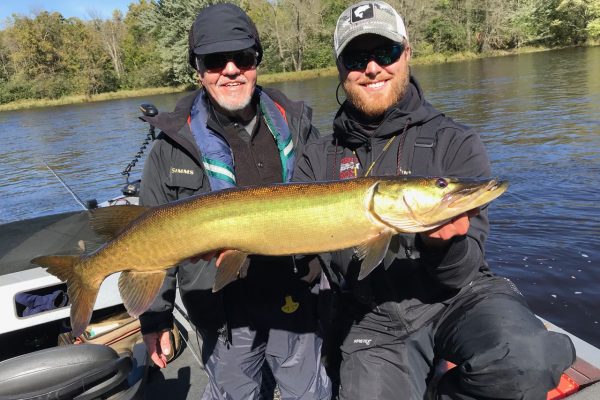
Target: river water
[538,114]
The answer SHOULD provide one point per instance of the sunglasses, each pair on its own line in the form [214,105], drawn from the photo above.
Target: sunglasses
[245,59]
[386,55]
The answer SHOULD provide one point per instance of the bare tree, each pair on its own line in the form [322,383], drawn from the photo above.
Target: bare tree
[112,32]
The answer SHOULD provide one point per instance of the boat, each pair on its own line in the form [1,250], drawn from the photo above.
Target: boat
[39,359]
[34,366]
[35,312]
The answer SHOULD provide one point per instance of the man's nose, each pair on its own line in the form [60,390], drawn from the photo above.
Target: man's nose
[372,68]
[231,68]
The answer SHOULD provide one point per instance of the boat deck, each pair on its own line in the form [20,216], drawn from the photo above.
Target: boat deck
[588,393]
[184,377]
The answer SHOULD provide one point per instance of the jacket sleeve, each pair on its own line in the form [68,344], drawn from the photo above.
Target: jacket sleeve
[310,166]
[457,265]
[154,192]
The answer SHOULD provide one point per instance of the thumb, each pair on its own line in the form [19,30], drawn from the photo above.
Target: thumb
[165,343]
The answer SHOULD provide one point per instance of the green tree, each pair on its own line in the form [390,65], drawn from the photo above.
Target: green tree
[36,57]
[449,29]
[141,59]
[89,66]
[296,35]
[564,22]
[51,56]
[36,46]
[170,22]
[593,26]
[5,64]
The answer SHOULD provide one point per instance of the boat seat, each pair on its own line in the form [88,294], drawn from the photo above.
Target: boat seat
[78,372]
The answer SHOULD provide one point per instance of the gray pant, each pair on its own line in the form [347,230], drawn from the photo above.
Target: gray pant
[501,349]
[235,369]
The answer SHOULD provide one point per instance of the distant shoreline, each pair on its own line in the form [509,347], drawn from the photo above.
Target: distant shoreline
[263,79]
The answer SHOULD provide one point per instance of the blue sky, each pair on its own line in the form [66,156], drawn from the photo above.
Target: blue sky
[68,8]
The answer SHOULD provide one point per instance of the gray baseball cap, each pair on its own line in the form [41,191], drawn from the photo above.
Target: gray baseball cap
[374,17]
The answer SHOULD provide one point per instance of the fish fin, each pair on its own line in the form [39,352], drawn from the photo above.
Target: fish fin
[59,266]
[229,268]
[108,221]
[372,252]
[138,289]
[403,224]
[87,247]
[82,294]
[392,251]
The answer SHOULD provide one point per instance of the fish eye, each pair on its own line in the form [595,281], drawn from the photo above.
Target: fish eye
[441,183]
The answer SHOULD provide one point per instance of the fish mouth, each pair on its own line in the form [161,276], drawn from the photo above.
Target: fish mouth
[472,193]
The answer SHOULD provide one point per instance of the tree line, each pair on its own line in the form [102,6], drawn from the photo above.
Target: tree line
[49,56]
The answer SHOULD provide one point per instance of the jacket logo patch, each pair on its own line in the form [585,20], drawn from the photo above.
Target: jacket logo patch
[290,305]
[363,341]
[349,167]
[182,171]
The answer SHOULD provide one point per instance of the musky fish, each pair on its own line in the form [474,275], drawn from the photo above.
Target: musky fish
[280,219]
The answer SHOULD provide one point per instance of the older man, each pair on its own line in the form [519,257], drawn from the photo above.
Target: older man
[434,297]
[230,133]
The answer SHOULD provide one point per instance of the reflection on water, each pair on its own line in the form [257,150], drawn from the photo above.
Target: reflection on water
[538,114]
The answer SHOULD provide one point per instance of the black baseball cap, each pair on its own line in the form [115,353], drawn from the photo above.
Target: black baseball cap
[222,28]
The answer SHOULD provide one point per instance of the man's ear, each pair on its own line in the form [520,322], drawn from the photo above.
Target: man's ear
[408,51]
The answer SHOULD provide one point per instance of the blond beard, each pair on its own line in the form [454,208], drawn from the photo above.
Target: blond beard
[374,109]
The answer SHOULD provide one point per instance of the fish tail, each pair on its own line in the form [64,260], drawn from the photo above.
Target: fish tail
[82,293]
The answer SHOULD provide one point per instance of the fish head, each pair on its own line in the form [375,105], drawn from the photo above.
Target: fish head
[410,204]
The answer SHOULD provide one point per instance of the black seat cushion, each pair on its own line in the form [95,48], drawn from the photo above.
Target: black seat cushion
[64,372]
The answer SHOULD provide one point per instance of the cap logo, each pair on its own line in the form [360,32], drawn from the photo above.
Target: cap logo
[362,12]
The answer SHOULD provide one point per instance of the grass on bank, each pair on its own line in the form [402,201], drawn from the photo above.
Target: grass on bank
[263,79]
[80,98]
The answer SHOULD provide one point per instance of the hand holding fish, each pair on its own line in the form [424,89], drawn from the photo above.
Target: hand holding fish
[458,226]
[220,255]
[159,347]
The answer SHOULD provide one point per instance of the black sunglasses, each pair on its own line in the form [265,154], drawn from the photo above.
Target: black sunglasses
[385,55]
[244,59]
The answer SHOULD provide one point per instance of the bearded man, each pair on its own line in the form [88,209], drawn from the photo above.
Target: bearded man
[434,297]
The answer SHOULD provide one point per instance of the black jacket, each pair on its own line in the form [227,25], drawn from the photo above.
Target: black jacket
[173,171]
[421,141]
